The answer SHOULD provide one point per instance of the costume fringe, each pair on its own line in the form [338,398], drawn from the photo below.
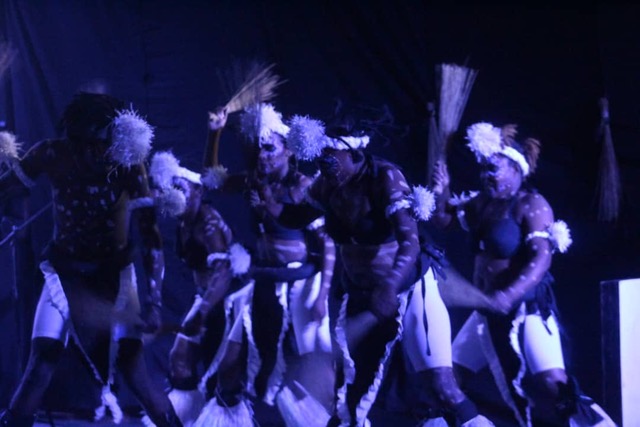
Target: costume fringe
[253,355]
[275,379]
[237,309]
[301,412]
[187,404]
[514,338]
[496,369]
[349,369]
[215,415]
[109,401]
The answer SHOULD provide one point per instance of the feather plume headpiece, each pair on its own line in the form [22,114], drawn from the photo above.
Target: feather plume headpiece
[131,138]
[165,167]
[259,121]
[307,138]
[485,140]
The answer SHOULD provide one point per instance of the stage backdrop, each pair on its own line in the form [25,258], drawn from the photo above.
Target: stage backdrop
[544,68]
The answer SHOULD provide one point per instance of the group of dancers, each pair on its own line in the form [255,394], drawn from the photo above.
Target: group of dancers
[357,216]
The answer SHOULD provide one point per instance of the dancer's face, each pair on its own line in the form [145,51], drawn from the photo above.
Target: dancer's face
[96,150]
[273,156]
[335,165]
[501,177]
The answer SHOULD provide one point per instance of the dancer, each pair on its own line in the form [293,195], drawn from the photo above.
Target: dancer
[514,236]
[391,293]
[205,245]
[286,323]
[96,172]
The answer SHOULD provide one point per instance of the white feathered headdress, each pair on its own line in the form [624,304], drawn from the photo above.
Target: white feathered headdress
[308,137]
[163,169]
[165,166]
[259,121]
[131,138]
[485,140]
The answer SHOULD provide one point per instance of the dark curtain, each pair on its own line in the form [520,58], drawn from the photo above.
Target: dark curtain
[542,67]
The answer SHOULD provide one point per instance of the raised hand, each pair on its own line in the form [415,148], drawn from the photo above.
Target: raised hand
[440,177]
[218,118]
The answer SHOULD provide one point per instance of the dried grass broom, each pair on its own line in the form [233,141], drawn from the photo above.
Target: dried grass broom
[250,85]
[609,189]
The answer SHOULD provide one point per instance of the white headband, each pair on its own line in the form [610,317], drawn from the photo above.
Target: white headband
[164,167]
[307,138]
[485,140]
[261,120]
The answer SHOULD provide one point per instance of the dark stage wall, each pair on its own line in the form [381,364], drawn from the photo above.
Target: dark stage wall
[541,67]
